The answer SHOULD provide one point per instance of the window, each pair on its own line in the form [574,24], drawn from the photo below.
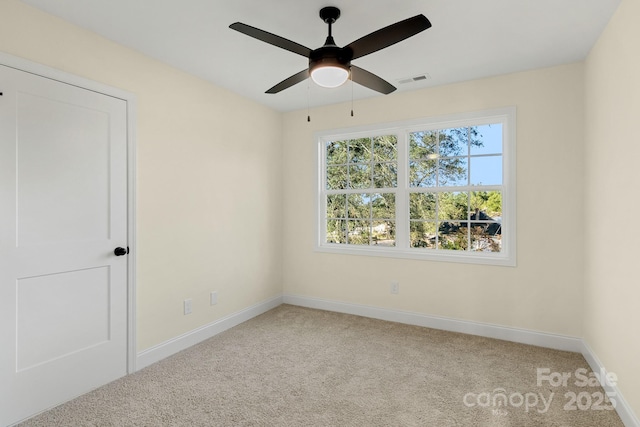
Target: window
[438,189]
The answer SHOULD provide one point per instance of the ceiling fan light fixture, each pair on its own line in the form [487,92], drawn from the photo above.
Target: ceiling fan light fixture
[330,76]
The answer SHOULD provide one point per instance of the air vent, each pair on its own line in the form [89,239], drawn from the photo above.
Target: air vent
[414,79]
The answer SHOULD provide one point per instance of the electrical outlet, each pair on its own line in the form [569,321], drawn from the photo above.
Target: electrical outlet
[395,287]
[214,297]
[187,306]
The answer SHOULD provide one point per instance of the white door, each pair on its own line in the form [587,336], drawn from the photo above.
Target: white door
[63,211]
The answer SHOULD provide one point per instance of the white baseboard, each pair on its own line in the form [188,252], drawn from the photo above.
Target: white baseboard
[622,407]
[541,339]
[184,341]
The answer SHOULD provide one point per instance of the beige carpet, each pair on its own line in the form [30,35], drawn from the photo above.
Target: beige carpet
[295,366]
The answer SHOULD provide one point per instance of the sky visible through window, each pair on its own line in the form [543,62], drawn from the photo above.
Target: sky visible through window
[487,170]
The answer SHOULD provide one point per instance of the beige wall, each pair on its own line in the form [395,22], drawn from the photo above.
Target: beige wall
[195,233]
[544,291]
[612,292]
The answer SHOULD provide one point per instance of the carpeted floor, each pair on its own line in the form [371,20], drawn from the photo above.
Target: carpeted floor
[295,366]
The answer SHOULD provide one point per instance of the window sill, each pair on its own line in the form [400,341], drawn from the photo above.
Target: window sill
[498,259]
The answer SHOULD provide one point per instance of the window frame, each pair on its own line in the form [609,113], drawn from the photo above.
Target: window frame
[506,257]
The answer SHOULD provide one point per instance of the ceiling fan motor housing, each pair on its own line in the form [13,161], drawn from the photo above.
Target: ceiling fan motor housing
[330,55]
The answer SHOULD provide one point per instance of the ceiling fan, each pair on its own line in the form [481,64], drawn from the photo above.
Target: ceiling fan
[330,65]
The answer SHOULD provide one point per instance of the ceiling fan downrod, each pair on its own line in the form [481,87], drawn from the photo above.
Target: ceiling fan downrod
[329,15]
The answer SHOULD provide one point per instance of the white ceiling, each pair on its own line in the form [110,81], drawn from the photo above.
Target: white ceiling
[469,39]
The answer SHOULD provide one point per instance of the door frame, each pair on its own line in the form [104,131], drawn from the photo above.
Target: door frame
[130,99]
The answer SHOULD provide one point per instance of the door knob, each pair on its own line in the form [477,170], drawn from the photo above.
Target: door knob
[120,251]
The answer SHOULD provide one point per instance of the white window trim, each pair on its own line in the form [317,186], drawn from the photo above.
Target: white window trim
[507,257]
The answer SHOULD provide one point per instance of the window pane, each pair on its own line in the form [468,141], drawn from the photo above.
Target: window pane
[360,150]
[453,172]
[359,232]
[358,206]
[336,177]
[337,206]
[336,231]
[486,237]
[453,206]
[454,142]
[423,145]
[383,233]
[453,236]
[422,173]
[385,148]
[359,176]
[488,139]
[486,170]
[422,206]
[336,152]
[423,234]
[487,205]
[383,206]
[385,175]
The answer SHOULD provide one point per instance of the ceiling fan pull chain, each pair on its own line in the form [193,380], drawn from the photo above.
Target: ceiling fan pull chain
[351,78]
[308,115]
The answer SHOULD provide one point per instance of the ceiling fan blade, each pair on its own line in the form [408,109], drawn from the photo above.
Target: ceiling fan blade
[370,80]
[388,36]
[266,37]
[287,83]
